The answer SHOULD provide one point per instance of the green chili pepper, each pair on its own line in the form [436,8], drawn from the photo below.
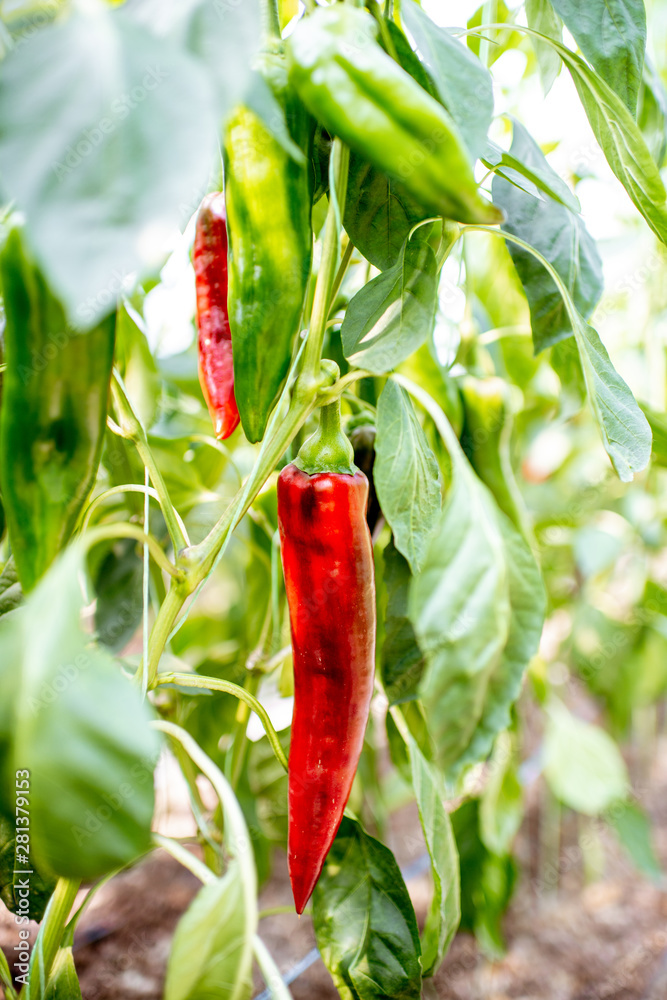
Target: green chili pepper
[362,95]
[54,406]
[268,196]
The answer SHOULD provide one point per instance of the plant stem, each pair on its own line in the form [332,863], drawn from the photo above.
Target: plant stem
[132,429]
[162,626]
[217,684]
[340,158]
[341,272]
[49,937]
[185,858]
[269,970]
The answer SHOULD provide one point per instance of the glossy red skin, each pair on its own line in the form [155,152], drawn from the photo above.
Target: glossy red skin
[329,578]
[216,369]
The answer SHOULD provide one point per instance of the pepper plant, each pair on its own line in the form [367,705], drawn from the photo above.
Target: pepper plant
[318,498]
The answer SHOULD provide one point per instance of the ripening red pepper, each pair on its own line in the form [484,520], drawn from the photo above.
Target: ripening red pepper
[216,369]
[327,560]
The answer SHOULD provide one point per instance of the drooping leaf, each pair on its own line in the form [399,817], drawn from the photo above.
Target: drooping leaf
[81,729]
[620,140]
[402,661]
[393,314]
[445,909]
[464,85]
[406,475]
[560,236]
[527,603]
[459,606]
[625,431]
[211,955]
[379,214]
[582,763]
[110,151]
[364,920]
[542,17]
[612,36]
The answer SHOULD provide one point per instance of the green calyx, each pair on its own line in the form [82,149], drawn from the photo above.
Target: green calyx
[328,449]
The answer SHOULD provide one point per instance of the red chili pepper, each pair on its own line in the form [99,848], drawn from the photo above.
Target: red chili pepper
[328,566]
[216,369]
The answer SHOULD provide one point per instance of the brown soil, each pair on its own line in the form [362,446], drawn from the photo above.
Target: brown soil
[602,935]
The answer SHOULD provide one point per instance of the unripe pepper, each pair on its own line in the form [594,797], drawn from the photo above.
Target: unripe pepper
[328,565]
[268,195]
[54,410]
[359,93]
[216,366]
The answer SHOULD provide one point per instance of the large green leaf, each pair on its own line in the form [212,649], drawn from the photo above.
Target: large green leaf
[406,475]
[463,83]
[107,133]
[401,660]
[459,606]
[211,955]
[582,763]
[527,603]
[393,314]
[364,921]
[612,36]
[445,909]
[82,731]
[560,236]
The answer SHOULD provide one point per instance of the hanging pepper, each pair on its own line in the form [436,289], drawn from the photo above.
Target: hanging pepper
[362,95]
[216,368]
[268,193]
[328,565]
[54,408]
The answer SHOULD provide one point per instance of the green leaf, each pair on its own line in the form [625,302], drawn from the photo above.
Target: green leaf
[582,763]
[364,920]
[119,588]
[542,17]
[621,142]
[560,236]
[445,910]
[459,606]
[81,730]
[379,214]
[63,982]
[6,976]
[402,660]
[110,151]
[612,36]
[211,955]
[393,314]
[463,83]
[501,802]
[406,475]
[527,608]
[658,424]
[625,431]
[41,885]
[652,112]
[527,168]
[633,829]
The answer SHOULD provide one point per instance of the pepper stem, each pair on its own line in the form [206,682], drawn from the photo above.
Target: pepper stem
[328,449]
